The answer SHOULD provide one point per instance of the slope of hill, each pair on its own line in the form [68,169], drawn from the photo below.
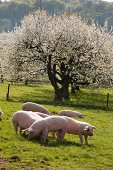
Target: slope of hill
[11,12]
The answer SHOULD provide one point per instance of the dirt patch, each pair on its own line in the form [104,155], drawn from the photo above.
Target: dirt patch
[3,160]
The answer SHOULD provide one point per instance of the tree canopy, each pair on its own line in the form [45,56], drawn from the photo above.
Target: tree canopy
[66,47]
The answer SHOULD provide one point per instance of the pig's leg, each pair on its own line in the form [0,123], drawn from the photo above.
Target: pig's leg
[44,136]
[16,127]
[86,139]
[81,139]
[61,133]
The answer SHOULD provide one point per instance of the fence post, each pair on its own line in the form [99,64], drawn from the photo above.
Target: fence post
[7,95]
[107,99]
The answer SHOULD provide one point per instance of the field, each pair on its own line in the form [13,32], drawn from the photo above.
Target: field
[17,153]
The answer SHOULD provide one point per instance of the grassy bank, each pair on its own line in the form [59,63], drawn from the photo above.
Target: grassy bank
[16,152]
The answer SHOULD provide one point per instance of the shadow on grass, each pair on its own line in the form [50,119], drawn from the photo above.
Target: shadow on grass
[82,99]
[80,105]
[52,142]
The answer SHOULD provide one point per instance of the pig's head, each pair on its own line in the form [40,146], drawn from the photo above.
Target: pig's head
[88,130]
[31,133]
[81,116]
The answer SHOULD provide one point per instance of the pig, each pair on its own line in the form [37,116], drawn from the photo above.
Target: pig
[30,106]
[49,124]
[79,128]
[24,119]
[42,114]
[1,114]
[70,113]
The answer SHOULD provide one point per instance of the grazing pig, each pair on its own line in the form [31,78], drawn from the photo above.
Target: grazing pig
[42,114]
[79,128]
[70,113]
[49,124]
[30,106]
[1,114]
[24,119]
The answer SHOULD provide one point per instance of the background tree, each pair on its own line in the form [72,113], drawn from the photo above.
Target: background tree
[70,50]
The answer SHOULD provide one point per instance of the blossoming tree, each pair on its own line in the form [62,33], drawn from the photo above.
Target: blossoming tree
[66,47]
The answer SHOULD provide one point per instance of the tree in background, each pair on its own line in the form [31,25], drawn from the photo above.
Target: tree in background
[66,47]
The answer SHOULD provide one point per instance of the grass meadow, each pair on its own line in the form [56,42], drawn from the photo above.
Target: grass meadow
[17,153]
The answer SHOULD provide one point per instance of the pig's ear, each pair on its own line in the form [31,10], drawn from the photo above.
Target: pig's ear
[25,130]
[86,128]
[30,131]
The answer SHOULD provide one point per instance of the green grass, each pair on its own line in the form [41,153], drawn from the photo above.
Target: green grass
[16,152]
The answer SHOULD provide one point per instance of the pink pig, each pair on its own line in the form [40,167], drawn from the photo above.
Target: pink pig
[70,113]
[79,128]
[49,124]
[30,106]
[41,114]
[24,119]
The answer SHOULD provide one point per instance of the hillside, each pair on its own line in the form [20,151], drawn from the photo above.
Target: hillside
[13,11]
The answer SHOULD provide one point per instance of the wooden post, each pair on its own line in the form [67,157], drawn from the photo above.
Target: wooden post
[7,95]
[107,99]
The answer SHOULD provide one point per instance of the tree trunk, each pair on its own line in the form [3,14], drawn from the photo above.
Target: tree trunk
[73,87]
[66,91]
[58,94]
[54,81]
[65,85]
[26,81]
[2,80]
